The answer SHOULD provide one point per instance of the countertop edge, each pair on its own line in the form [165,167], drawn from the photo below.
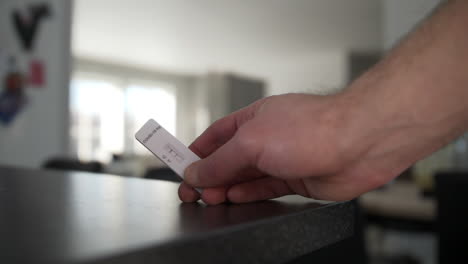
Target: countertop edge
[299,234]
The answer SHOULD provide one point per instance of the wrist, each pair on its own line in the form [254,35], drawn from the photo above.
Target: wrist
[398,122]
[376,118]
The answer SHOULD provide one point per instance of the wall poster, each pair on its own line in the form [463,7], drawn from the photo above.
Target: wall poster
[20,67]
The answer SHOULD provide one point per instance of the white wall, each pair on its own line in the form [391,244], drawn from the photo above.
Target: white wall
[41,129]
[319,72]
[401,16]
[203,35]
[298,45]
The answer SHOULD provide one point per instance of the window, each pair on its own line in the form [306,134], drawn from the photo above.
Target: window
[97,121]
[106,111]
[144,102]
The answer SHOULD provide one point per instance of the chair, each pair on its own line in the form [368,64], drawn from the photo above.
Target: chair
[452,225]
[70,164]
[162,173]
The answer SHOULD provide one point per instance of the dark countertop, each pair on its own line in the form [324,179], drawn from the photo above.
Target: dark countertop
[59,217]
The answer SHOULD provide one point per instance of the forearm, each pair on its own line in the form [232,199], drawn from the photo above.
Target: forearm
[416,99]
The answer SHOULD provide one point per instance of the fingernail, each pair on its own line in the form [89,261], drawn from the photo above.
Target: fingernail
[191,175]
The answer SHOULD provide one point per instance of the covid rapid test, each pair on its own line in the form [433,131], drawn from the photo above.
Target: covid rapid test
[166,147]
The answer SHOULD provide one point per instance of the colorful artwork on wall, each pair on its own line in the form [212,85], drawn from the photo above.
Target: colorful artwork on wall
[12,97]
[26,23]
[16,77]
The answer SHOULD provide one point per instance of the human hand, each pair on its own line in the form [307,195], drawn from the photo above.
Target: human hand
[289,144]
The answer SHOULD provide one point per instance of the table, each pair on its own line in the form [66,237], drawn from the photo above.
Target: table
[72,217]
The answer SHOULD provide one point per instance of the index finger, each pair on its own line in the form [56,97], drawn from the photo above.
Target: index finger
[222,130]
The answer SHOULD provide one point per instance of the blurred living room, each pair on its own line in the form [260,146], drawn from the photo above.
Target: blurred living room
[79,78]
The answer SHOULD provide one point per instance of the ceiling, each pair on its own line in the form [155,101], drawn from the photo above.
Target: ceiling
[196,36]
